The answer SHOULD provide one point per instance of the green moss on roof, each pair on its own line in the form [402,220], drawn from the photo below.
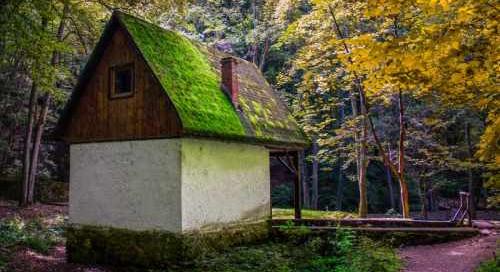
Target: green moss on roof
[190,75]
[188,78]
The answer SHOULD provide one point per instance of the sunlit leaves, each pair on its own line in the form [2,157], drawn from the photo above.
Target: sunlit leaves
[443,48]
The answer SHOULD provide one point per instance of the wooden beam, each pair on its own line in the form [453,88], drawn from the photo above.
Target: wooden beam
[297,201]
[285,164]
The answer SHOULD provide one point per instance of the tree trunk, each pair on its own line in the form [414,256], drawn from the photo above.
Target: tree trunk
[363,200]
[297,202]
[472,185]
[391,187]
[390,184]
[254,45]
[340,185]
[352,95]
[264,54]
[40,126]
[355,114]
[23,198]
[363,158]
[314,174]
[423,199]
[405,201]
[36,147]
[430,197]
[340,190]
[305,186]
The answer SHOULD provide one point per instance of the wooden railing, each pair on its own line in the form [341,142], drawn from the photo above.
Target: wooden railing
[463,210]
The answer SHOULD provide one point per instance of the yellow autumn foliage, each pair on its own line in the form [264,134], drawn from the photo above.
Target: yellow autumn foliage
[449,48]
[446,49]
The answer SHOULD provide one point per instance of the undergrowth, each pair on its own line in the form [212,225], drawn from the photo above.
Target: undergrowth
[34,234]
[341,252]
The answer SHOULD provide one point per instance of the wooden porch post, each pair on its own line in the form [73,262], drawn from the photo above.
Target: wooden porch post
[297,203]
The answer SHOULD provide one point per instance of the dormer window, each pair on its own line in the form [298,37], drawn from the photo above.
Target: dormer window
[122,80]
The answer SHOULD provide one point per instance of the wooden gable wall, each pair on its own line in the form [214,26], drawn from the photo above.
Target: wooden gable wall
[148,113]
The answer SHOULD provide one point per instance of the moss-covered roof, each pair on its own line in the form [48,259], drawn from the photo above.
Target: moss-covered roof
[189,73]
[261,110]
[187,77]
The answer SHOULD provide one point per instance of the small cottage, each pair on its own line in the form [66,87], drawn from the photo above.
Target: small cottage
[168,135]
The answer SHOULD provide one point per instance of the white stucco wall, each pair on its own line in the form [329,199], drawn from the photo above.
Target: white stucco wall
[168,184]
[129,184]
[223,183]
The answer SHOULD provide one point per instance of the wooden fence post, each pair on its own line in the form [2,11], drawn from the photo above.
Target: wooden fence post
[297,203]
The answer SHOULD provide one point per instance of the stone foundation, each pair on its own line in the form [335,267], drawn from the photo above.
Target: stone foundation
[154,249]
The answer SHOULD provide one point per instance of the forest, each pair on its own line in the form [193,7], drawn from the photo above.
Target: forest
[400,99]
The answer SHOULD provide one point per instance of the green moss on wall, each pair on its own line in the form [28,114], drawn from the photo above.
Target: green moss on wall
[160,249]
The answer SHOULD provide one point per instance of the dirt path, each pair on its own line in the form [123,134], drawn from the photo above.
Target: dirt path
[459,256]
[27,260]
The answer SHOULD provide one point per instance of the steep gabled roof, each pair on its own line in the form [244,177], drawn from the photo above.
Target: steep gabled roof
[189,73]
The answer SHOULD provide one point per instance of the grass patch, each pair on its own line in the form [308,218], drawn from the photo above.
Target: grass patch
[311,214]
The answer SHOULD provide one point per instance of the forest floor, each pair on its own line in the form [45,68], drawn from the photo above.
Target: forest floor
[21,250]
[458,256]
[38,245]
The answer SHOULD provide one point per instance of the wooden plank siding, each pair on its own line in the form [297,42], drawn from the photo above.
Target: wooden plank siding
[148,113]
